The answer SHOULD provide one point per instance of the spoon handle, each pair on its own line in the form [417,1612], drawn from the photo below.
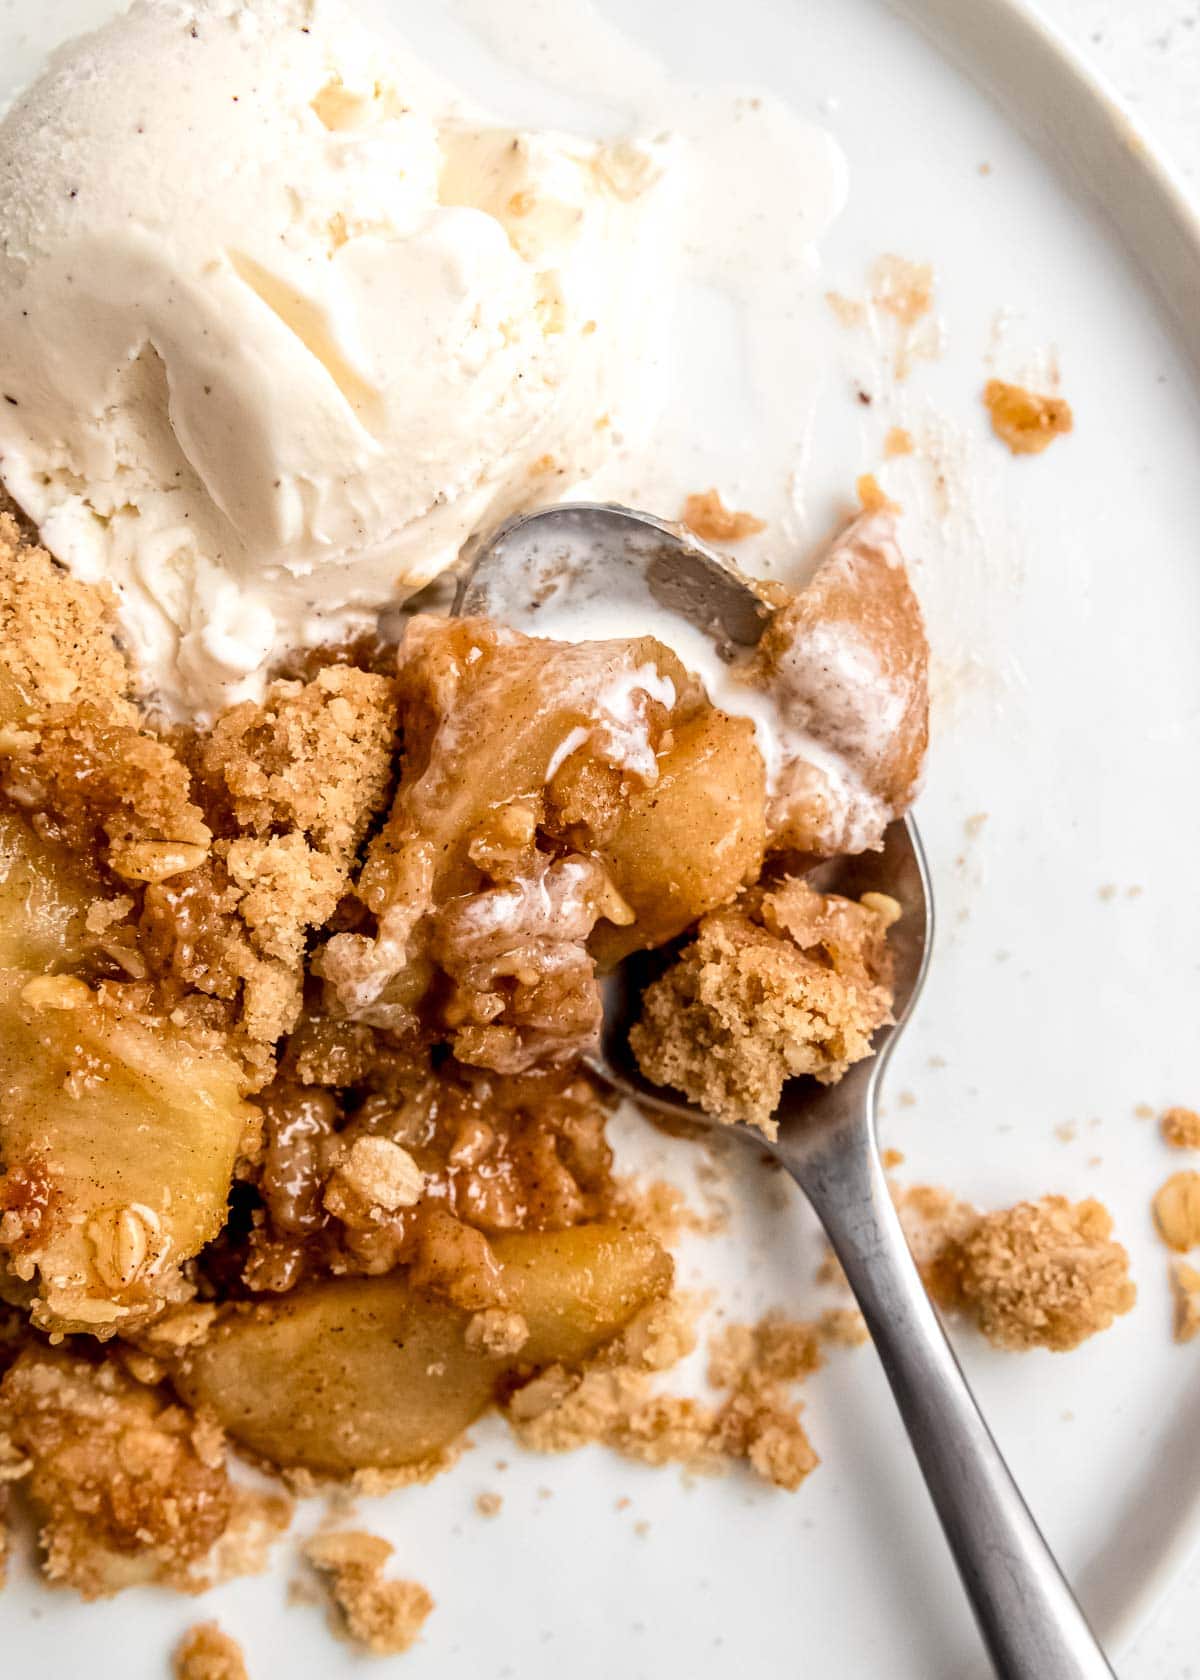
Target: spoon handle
[1031,1622]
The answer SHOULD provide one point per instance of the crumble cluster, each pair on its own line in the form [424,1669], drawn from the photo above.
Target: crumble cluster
[129,1487]
[206,1653]
[383,1616]
[1041,1274]
[220,852]
[615,1400]
[785,982]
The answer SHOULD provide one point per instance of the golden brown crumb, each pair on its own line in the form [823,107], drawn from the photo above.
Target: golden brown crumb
[1181,1128]
[206,1653]
[934,1220]
[1043,1274]
[783,983]
[497,1331]
[614,1401]
[489,1504]
[128,1487]
[1186,1281]
[57,635]
[385,1617]
[1177,1211]
[1022,419]
[899,441]
[313,759]
[706,514]
[872,496]
[892,1158]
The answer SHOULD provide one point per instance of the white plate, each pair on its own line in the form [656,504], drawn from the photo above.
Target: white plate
[1073,579]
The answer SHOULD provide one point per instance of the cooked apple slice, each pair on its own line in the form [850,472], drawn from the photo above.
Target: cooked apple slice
[693,840]
[44,897]
[366,1373]
[119,1143]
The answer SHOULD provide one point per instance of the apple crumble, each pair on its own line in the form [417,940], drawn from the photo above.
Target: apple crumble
[300,1154]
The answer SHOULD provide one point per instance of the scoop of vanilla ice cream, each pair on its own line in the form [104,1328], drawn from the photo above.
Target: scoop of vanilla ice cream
[281,324]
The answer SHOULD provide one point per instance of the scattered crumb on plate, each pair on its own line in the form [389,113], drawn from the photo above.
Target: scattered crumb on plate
[1025,420]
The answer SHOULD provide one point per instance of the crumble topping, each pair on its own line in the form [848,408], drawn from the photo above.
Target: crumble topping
[1041,1274]
[129,1488]
[497,1331]
[785,982]
[206,1653]
[706,514]
[383,1616]
[1026,421]
[58,636]
[1181,1128]
[615,1401]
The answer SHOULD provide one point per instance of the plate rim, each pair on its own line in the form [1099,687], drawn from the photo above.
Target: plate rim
[1015,55]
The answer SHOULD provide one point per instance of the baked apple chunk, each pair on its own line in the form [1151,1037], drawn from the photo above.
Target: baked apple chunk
[375,1374]
[117,1137]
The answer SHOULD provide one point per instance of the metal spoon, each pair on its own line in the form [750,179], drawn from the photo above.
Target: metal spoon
[1031,1623]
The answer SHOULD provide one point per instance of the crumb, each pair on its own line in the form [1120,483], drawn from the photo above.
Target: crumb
[907,1099]
[783,982]
[1042,1274]
[489,1504]
[707,515]
[497,1331]
[1107,893]
[1186,1281]
[384,1617]
[975,823]
[312,759]
[1023,420]
[1177,1211]
[57,635]
[1144,1111]
[872,497]
[129,1487]
[892,1158]
[205,1653]
[985,169]
[1181,1128]
[898,441]
[641,1528]
[623,1504]
[618,1405]
[1066,1131]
